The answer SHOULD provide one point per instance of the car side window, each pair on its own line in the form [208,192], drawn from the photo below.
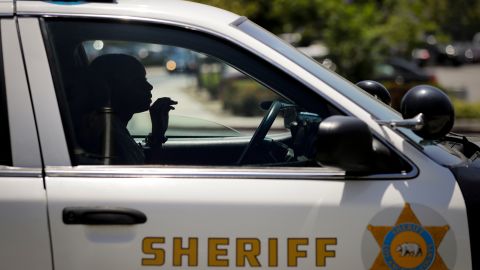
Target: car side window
[134,94]
[145,94]
[5,148]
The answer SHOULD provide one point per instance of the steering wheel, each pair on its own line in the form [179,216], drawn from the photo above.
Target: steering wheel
[262,130]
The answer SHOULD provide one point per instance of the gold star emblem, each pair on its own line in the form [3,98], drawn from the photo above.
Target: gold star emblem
[408,244]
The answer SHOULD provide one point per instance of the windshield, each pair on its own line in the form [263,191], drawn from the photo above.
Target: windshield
[376,108]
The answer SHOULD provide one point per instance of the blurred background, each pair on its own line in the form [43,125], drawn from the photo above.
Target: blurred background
[400,43]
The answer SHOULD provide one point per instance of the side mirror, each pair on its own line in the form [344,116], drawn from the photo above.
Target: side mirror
[345,142]
[436,107]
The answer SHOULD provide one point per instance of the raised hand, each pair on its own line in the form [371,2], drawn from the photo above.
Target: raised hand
[159,116]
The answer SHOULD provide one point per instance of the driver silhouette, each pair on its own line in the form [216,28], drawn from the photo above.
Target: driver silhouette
[123,78]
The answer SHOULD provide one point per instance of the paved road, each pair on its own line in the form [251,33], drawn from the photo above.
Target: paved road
[466,77]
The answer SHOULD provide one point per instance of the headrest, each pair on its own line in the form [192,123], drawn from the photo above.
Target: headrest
[117,66]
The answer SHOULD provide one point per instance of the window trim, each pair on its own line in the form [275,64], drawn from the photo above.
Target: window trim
[210,172]
[109,171]
[8,171]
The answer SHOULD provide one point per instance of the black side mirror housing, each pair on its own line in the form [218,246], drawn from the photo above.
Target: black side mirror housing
[345,142]
[377,90]
[436,107]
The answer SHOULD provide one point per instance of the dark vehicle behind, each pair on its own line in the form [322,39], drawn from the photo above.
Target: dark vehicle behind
[399,75]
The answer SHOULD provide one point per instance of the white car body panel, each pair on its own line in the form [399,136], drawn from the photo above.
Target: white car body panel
[23,134]
[209,206]
[242,208]
[175,11]
[24,231]
[49,123]
[6,7]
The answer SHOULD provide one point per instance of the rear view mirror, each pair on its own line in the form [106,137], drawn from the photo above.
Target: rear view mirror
[345,142]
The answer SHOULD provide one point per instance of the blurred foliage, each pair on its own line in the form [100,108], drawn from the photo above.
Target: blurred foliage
[238,94]
[466,110]
[211,82]
[244,97]
[360,33]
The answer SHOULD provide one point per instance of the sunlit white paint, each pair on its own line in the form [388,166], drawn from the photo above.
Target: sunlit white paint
[6,7]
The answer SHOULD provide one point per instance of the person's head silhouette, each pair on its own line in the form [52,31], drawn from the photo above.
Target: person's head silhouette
[129,89]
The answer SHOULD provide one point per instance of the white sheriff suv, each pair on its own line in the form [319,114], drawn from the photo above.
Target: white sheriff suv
[268,161]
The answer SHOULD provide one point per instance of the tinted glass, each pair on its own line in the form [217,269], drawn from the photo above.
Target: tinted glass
[122,83]
[372,105]
[5,149]
[155,94]
[214,99]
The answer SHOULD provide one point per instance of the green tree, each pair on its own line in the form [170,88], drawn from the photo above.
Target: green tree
[360,33]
